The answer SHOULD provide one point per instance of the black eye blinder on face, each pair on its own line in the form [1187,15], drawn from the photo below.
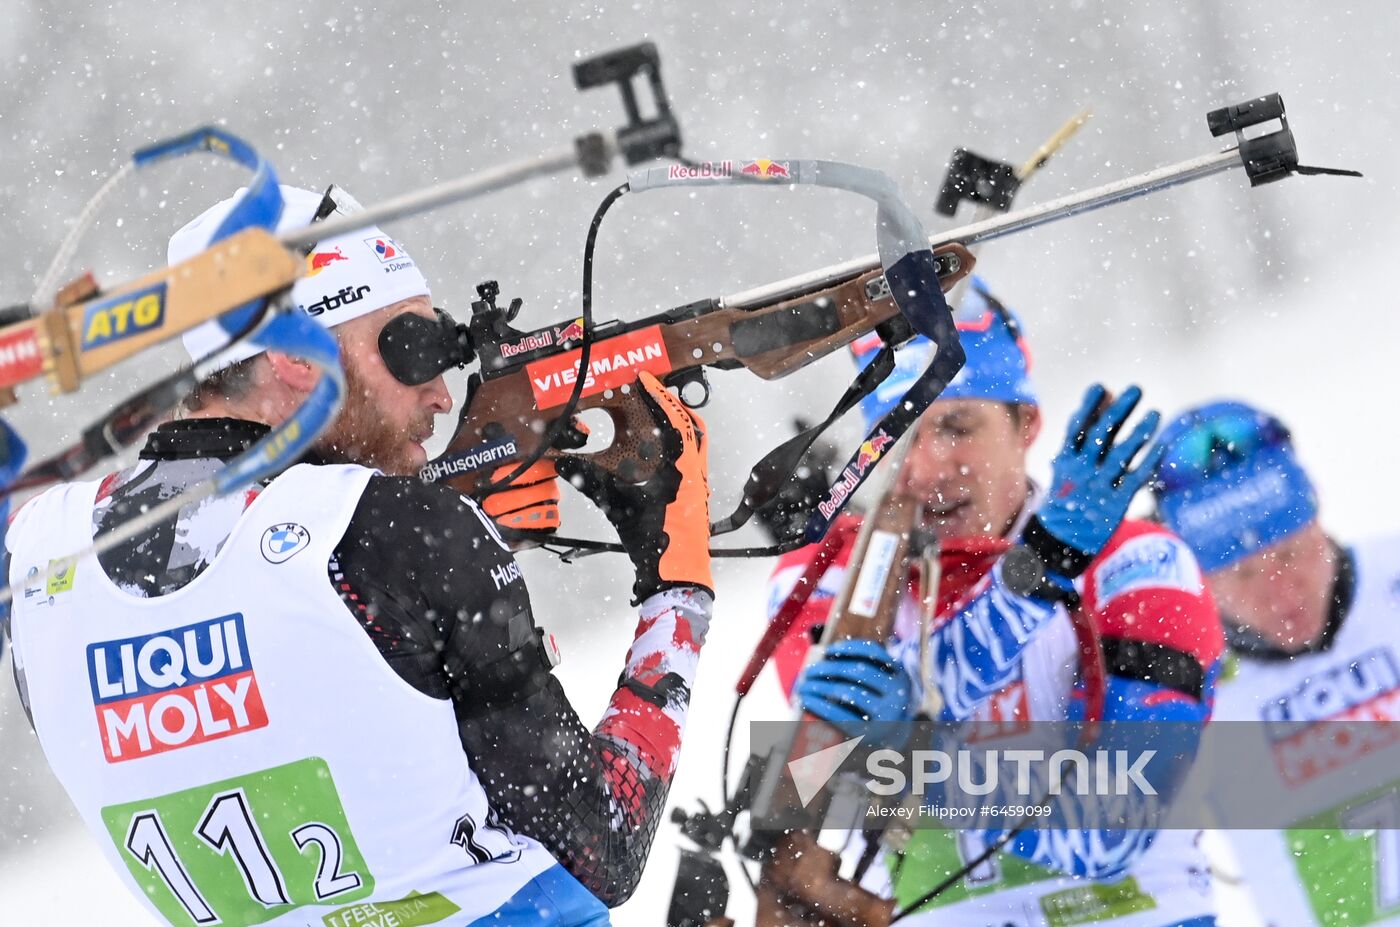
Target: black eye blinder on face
[416,348]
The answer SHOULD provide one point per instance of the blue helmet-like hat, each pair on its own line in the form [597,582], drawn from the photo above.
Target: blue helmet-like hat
[1230,484]
[998,362]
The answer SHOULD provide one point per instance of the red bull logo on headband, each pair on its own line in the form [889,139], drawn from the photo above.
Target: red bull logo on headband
[766,169]
[318,261]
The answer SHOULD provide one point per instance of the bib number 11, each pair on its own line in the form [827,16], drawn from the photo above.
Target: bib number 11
[244,850]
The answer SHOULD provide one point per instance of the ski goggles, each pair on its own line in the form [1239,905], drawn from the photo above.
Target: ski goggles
[416,348]
[1229,484]
[1206,442]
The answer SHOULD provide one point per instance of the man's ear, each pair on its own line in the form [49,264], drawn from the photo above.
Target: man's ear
[1029,417]
[293,372]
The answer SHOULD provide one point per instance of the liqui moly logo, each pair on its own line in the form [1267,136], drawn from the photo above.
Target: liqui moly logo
[174,689]
[1335,717]
[703,170]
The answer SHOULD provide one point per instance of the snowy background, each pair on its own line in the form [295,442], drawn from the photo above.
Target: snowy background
[1282,295]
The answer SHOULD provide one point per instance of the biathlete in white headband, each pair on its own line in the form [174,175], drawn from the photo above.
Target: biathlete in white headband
[326,699]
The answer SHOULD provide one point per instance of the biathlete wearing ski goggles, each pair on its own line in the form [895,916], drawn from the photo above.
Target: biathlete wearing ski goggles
[1229,483]
[1203,444]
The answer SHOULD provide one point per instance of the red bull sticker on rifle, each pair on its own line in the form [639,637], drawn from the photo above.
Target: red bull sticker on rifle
[544,338]
[872,450]
[123,316]
[571,332]
[704,170]
[766,169]
[612,363]
[867,456]
[174,689]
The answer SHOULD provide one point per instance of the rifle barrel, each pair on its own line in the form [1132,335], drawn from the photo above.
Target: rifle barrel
[461,188]
[1000,226]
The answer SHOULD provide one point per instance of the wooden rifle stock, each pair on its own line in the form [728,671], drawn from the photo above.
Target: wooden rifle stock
[800,883]
[526,377]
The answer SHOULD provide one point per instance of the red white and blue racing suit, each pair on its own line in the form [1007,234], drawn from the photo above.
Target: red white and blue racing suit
[1003,662]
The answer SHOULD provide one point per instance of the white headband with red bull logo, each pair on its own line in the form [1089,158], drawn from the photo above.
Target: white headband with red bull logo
[346,277]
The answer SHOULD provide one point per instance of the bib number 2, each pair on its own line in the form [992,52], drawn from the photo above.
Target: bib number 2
[244,850]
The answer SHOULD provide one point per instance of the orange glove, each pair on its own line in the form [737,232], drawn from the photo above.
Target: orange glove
[530,504]
[663,521]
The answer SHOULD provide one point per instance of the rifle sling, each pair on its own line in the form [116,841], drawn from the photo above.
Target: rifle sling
[779,465]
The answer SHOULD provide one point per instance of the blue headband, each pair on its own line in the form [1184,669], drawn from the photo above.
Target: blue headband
[1229,484]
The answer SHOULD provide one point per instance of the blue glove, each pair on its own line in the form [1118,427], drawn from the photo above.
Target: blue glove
[856,685]
[1092,482]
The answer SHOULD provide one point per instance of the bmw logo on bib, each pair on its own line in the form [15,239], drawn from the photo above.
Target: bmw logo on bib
[281,542]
